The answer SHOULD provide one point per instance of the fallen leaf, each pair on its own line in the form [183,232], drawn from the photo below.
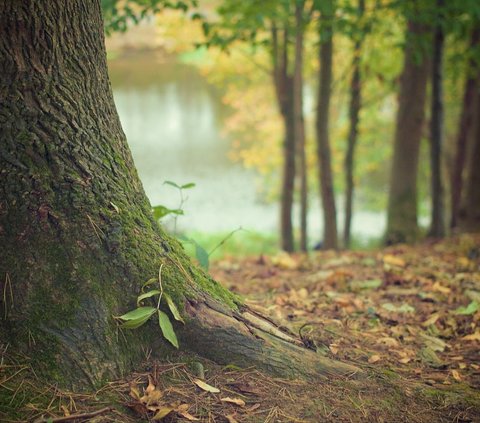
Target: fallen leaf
[405,360]
[333,348]
[436,344]
[374,358]
[162,413]
[472,308]
[134,392]
[231,418]
[473,337]
[456,375]
[236,401]
[431,320]
[151,386]
[206,386]
[440,288]
[393,261]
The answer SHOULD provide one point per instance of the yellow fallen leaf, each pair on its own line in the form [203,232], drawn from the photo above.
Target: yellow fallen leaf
[162,413]
[236,401]
[188,416]
[374,358]
[473,337]
[431,320]
[462,366]
[456,375]
[405,360]
[151,386]
[333,348]
[205,386]
[231,418]
[134,392]
[440,288]
[393,261]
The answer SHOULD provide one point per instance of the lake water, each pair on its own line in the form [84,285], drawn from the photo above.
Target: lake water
[173,121]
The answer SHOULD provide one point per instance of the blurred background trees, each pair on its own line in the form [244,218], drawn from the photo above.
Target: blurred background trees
[372,104]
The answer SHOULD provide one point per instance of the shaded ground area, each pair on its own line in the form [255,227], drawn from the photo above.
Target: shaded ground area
[409,316]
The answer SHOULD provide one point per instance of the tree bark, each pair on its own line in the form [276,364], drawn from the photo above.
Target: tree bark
[354,112]
[283,82]
[464,131]
[300,123]
[77,234]
[469,214]
[322,126]
[437,228]
[402,201]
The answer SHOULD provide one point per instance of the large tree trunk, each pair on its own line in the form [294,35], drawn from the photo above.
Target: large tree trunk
[465,127]
[283,82]
[354,112]
[300,123]
[437,228]
[402,201]
[77,235]
[322,127]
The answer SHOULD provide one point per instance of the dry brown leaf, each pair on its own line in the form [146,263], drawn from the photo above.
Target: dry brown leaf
[151,386]
[456,375]
[206,386]
[473,337]
[231,418]
[237,401]
[162,413]
[374,358]
[134,391]
[333,348]
[431,320]
[393,261]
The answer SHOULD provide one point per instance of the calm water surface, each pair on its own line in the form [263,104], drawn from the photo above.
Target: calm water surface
[173,121]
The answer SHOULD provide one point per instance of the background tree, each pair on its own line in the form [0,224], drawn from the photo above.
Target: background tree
[327,10]
[354,112]
[300,121]
[77,229]
[402,225]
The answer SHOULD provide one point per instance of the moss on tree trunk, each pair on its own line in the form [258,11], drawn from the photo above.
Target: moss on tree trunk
[78,238]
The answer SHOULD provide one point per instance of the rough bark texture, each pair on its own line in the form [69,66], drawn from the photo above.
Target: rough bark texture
[469,214]
[78,238]
[354,112]
[465,128]
[322,126]
[437,228]
[283,82]
[300,123]
[402,201]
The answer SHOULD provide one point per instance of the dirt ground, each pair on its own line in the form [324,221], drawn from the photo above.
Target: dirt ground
[409,316]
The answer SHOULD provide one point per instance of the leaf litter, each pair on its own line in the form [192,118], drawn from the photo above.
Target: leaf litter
[408,315]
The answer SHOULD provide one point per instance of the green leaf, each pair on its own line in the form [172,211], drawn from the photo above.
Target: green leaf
[187,186]
[202,256]
[472,308]
[160,212]
[147,295]
[367,284]
[173,184]
[173,308]
[149,282]
[136,318]
[167,328]
[138,313]
[135,323]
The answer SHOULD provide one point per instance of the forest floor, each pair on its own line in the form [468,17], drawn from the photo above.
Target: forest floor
[408,315]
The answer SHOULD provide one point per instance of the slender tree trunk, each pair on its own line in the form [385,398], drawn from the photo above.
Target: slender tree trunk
[283,82]
[77,234]
[464,131]
[322,127]
[300,123]
[354,112]
[402,202]
[437,228]
[469,213]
